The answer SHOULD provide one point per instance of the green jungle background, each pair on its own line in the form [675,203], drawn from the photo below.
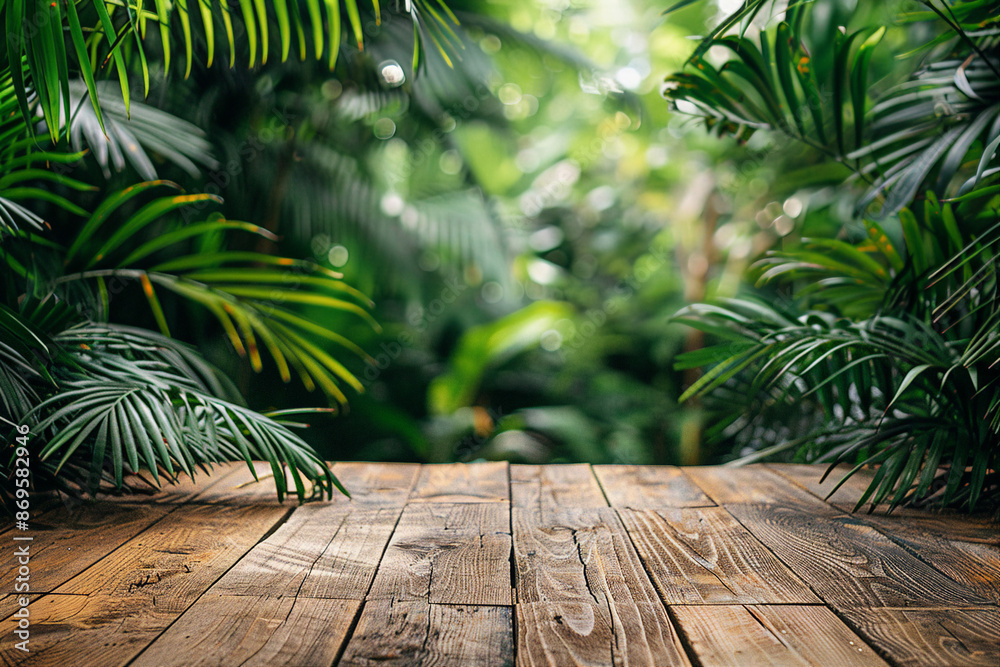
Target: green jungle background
[439,230]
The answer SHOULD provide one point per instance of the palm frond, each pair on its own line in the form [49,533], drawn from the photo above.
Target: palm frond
[126,134]
[921,134]
[893,387]
[97,37]
[128,406]
[837,365]
[256,298]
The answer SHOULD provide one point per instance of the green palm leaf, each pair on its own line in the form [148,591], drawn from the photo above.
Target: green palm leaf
[145,412]
[44,82]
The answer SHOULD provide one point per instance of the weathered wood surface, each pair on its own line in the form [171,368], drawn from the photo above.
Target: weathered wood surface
[254,630]
[448,553]
[649,487]
[414,632]
[65,542]
[705,556]
[490,564]
[932,637]
[772,635]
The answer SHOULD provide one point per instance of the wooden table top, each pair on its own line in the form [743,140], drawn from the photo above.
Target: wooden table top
[497,564]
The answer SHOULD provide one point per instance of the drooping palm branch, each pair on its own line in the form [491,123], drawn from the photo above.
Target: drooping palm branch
[916,135]
[105,400]
[91,390]
[100,34]
[886,349]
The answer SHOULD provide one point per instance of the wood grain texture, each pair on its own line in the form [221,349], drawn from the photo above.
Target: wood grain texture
[279,564]
[945,522]
[11,603]
[554,487]
[704,556]
[808,476]
[975,565]
[65,542]
[262,631]
[848,563]
[846,497]
[416,570]
[239,487]
[964,528]
[931,638]
[347,567]
[755,484]
[462,483]
[417,633]
[579,566]
[448,553]
[564,634]
[649,487]
[142,488]
[376,483]
[577,555]
[178,558]
[86,630]
[735,636]
[322,551]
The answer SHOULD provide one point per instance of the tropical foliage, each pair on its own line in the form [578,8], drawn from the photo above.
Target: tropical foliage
[881,345]
[102,398]
[504,183]
[373,161]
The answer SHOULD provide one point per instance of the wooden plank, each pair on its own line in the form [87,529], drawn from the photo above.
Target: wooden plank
[577,555]
[41,505]
[649,487]
[128,598]
[239,487]
[704,556]
[945,522]
[581,564]
[808,476]
[66,542]
[11,603]
[410,633]
[848,563]
[973,564]
[376,483]
[930,638]
[964,528]
[553,487]
[86,630]
[178,558]
[329,549]
[847,495]
[462,483]
[260,631]
[755,484]
[279,564]
[448,553]
[347,567]
[368,483]
[142,488]
[324,550]
[563,634]
[735,636]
